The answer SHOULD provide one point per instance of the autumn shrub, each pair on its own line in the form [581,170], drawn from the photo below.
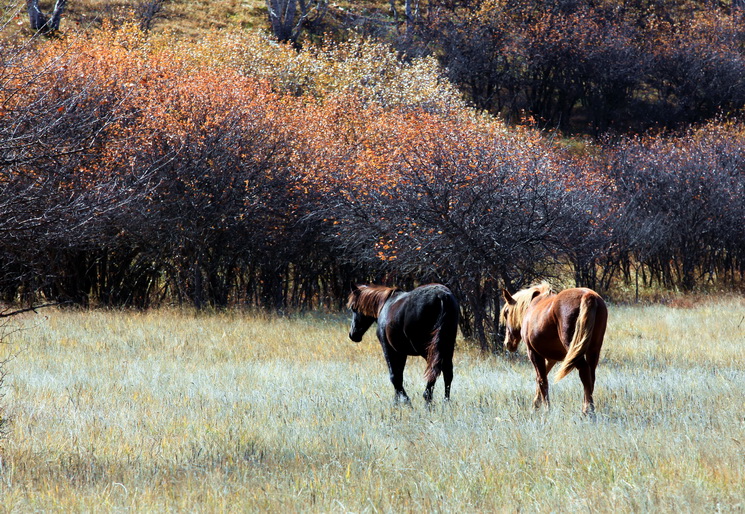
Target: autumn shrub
[54,119]
[203,184]
[592,66]
[136,172]
[188,161]
[364,68]
[220,193]
[682,204]
[696,68]
[455,200]
[150,161]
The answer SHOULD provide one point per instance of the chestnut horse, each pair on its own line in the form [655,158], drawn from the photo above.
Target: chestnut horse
[568,326]
[421,322]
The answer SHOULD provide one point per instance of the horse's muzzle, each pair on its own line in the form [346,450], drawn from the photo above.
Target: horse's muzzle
[355,338]
[511,346]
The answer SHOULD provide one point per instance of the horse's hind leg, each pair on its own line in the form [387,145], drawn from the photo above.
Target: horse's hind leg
[428,391]
[444,366]
[447,376]
[587,375]
[432,373]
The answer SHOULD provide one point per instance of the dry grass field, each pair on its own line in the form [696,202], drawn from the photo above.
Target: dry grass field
[171,410]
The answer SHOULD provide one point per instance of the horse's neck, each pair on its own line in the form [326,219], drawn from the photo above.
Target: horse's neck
[526,305]
[394,296]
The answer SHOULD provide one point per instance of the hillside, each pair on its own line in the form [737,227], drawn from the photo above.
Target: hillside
[189,19]
[578,67]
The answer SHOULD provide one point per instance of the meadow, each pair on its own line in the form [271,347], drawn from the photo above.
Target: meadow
[172,410]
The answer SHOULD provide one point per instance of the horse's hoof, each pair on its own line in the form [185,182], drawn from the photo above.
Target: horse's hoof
[400,399]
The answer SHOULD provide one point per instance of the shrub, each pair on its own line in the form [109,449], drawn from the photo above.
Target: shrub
[592,66]
[135,173]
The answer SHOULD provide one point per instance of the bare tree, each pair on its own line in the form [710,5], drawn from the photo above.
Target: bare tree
[288,17]
[40,22]
[148,11]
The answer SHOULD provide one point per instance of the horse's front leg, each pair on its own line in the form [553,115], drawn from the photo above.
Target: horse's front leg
[541,372]
[396,364]
[549,365]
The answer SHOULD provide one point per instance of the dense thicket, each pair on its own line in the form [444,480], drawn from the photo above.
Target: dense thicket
[592,66]
[133,174]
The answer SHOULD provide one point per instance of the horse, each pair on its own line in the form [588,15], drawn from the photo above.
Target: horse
[568,326]
[421,322]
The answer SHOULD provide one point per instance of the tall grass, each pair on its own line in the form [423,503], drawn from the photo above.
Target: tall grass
[169,410]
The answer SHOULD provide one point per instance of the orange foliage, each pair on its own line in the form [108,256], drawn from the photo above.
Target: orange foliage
[226,161]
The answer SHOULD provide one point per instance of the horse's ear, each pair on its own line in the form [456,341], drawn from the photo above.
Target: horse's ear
[508,297]
[355,288]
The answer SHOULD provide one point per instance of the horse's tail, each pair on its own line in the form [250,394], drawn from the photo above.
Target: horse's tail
[446,326]
[582,335]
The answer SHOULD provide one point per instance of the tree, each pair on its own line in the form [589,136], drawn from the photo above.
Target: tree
[287,18]
[425,198]
[147,12]
[40,22]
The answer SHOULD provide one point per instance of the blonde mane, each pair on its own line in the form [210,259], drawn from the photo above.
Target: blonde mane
[513,317]
[368,300]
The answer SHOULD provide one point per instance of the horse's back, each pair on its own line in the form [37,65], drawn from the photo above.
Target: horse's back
[573,297]
[428,301]
[569,303]
[551,320]
[432,292]
[416,314]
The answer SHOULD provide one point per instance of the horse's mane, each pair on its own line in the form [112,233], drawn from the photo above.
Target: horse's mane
[522,300]
[370,299]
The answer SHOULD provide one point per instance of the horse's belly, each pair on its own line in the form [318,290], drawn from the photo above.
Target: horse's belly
[399,342]
[548,348]
[409,347]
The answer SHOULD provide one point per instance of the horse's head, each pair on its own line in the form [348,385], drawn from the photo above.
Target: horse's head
[361,316]
[513,312]
[511,319]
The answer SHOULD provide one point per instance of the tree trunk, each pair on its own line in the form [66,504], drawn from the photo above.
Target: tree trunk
[282,14]
[39,21]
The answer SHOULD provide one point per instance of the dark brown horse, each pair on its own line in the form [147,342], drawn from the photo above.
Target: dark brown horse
[568,326]
[421,322]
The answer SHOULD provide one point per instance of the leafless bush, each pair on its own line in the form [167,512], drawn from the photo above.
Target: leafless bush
[148,11]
